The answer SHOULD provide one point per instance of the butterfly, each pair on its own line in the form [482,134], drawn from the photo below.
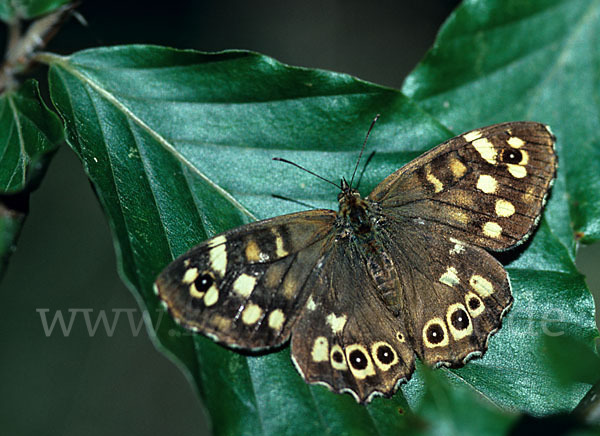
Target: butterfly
[402,273]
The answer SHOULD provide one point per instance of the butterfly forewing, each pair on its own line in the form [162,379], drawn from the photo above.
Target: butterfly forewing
[400,273]
[486,187]
[245,287]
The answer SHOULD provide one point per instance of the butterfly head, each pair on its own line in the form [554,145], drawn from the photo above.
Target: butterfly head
[348,193]
[353,208]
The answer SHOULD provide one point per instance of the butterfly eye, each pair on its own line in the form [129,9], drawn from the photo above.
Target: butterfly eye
[435,333]
[459,321]
[337,358]
[204,282]
[474,304]
[358,360]
[384,355]
[512,156]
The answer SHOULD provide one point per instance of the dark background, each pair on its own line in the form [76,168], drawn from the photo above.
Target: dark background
[65,259]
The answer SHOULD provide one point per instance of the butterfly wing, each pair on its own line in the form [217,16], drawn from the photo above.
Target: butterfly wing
[245,287]
[345,338]
[454,295]
[486,187]
[482,189]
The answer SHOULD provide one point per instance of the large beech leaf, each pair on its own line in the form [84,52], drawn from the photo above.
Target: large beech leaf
[30,135]
[11,10]
[501,60]
[178,145]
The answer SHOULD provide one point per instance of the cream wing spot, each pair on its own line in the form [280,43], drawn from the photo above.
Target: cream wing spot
[492,229]
[276,319]
[472,136]
[252,251]
[310,304]
[251,314]
[515,142]
[336,323]
[481,285]
[244,285]
[517,171]
[487,184]
[458,168]
[211,296]
[218,258]
[458,248]
[450,277]
[320,350]
[438,186]
[279,251]
[190,275]
[486,150]
[218,240]
[504,208]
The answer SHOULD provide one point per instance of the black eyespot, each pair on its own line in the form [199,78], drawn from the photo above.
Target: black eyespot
[400,337]
[337,357]
[474,303]
[435,334]
[385,354]
[459,319]
[358,360]
[512,156]
[204,282]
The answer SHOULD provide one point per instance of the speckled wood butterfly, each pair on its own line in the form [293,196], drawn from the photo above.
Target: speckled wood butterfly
[401,272]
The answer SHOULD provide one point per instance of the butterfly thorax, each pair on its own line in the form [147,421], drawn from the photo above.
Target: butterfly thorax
[354,212]
[358,222]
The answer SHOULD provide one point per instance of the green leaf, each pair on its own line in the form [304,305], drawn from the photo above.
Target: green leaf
[465,413]
[500,60]
[11,10]
[179,144]
[30,135]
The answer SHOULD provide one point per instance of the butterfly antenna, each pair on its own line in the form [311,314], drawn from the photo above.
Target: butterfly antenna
[363,148]
[280,159]
[364,168]
[293,200]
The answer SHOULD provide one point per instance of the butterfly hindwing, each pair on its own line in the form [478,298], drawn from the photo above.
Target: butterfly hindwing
[454,295]
[345,337]
[244,288]
[485,187]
